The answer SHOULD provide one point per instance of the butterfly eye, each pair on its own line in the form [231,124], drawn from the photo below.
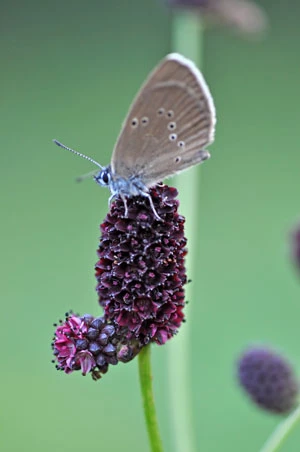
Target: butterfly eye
[172,137]
[104,177]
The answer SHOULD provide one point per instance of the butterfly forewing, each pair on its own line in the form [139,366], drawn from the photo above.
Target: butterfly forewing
[168,126]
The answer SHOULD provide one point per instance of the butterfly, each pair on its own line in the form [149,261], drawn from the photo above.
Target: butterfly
[169,124]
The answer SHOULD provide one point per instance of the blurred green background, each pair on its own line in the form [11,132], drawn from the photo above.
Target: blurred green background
[69,71]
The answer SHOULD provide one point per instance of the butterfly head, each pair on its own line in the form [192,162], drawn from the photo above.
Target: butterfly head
[103,178]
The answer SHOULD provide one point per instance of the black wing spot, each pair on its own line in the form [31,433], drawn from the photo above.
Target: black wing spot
[134,123]
[172,125]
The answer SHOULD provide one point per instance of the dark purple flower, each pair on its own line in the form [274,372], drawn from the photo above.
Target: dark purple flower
[295,246]
[269,379]
[141,270]
[89,344]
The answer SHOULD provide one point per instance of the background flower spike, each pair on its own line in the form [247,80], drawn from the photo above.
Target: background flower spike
[269,379]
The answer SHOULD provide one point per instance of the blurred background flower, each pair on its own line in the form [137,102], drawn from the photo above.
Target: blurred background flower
[295,247]
[244,16]
[269,379]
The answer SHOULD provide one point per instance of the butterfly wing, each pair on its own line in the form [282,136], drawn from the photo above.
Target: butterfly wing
[170,122]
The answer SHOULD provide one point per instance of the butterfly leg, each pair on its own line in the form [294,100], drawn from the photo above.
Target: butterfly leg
[110,199]
[147,195]
[125,205]
[123,199]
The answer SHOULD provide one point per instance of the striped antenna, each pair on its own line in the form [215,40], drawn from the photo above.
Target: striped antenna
[77,153]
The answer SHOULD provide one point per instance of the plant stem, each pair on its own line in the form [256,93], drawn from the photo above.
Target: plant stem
[283,430]
[187,40]
[148,399]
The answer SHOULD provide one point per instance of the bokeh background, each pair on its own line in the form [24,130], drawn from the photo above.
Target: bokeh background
[69,71]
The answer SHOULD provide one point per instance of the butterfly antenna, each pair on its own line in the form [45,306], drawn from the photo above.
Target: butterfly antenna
[77,153]
[86,176]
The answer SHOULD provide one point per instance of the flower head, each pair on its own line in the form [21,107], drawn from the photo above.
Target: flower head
[268,379]
[89,344]
[141,270]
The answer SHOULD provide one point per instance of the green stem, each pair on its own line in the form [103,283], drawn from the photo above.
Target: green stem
[148,399]
[187,40]
[283,430]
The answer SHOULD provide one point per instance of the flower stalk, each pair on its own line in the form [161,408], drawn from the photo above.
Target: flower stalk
[187,40]
[281,433]
[148,399]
